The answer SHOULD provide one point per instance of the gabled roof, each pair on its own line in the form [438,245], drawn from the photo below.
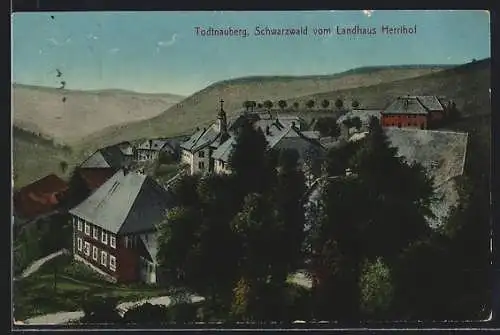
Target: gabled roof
[155,145]
[431,102]
[414,105]
[109,157]
[40,197]
[95,177]
[201,139]
[126,203]
[224,150]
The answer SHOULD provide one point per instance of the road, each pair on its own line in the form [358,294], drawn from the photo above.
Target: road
[66,317]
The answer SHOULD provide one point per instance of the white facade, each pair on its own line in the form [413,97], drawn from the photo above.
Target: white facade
[146,155]
[199,161]
[221,167]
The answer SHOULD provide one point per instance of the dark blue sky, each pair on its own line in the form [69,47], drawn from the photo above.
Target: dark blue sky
[160,52]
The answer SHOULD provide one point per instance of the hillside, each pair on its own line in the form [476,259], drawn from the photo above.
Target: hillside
[468,85]
[42,110]
[201,107]
[35,157]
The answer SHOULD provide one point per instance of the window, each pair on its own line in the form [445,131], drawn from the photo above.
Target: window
[86,249]
[96,233]
[94,253]
[79,225]
[201,154]
[201,165]
[112,263]
[80,244]
[112,241]
[87,229]
[104,256]
[104,237]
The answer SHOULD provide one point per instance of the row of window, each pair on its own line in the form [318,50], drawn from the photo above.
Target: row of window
[86,246]
[95,234]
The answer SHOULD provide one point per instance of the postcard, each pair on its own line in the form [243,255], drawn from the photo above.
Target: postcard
[281,167]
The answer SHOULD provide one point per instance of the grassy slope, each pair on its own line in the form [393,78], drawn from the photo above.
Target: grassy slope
[42,110]
[201,107]
[35,157]
[35,295]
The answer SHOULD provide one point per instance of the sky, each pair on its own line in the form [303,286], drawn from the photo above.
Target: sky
[159,52]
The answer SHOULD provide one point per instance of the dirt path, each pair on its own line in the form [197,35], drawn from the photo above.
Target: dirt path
[36,265]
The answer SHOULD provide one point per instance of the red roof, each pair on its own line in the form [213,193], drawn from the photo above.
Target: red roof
[95,177]
[40,197]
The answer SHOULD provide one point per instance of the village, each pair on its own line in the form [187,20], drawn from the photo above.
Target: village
[125,190]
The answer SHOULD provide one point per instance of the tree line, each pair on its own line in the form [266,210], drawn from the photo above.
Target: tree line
[309,104]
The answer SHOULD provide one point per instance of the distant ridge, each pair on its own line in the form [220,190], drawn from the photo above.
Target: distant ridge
[103,91]
[358,70]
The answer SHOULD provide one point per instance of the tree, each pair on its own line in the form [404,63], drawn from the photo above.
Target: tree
[250,162]
[247,104]
[393,186]
[282,104]
[260,105]
[356,122]
[327,126]
[64,166]
[355,104]
[78,190]
[338,158]
[310,104]
[146,314]
[253,104]
[218,245]
[185,193]
[325,103]
[268,104]
[99,310]
[377,291]
[259,229]
[296,105]
[288,195]
[339,103]
[178,258]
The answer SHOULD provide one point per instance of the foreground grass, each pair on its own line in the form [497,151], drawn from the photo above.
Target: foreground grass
[37,294]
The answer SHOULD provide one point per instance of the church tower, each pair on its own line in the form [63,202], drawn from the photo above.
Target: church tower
[222,119]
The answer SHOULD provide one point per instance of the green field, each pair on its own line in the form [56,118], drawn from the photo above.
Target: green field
[36,295]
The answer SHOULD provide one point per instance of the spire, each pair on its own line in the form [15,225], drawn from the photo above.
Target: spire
[221,119]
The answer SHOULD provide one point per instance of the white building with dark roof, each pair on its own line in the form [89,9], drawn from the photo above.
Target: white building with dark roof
[115,227]
[209,149]
[150,150]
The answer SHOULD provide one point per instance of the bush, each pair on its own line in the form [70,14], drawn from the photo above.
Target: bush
[146,314]
[100,310]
